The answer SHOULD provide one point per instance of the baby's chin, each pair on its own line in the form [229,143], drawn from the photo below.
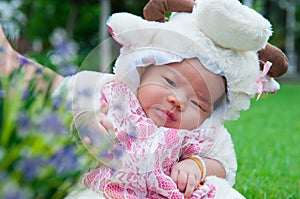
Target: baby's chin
[177,126]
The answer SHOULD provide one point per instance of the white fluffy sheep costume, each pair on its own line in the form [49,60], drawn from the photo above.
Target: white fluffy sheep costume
[223,34]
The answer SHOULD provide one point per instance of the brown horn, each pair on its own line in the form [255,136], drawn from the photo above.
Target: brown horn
[278,59]
[155,9]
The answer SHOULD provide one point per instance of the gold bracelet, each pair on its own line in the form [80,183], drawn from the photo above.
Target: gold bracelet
[200,167]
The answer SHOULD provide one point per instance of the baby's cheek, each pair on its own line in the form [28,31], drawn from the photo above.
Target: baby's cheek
[193,120]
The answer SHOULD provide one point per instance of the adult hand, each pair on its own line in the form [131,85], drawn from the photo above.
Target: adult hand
[11,60]
[8,57]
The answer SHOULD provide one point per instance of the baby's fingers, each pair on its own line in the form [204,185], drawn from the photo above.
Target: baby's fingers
[174,174]
[182,181]
[190,186]
[105,123]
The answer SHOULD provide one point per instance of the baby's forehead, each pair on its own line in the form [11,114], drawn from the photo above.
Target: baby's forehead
[191,65]
[192,68]
[197,72]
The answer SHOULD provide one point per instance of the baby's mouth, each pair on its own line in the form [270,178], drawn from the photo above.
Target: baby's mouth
[170,115]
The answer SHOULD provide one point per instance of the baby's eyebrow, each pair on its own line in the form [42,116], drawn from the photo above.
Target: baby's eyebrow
[205,99]
[175,74]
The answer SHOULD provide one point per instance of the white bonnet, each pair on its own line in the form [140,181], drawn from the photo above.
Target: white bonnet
[223,34]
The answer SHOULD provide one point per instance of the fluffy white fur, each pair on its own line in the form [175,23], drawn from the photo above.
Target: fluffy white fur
[232,25]
[223,190]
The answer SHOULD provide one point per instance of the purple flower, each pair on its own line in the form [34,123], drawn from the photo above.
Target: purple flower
[85,93]
[56,102]
[25,94]
[38,70]
[105,155]
[118,107]
[68,106]
[132,132]
[23,60]
[13,194]
[2,94]
[30,167]
[65,48]
[119,150]
[23,121]
[64,160]
[68,70]
[52,123]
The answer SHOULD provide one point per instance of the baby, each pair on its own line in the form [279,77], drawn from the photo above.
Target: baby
[12,59]
[231,55]
[178,96]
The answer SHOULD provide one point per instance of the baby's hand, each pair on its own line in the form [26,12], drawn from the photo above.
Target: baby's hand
[96,132]
[96,124]
[105,124]
[186,174]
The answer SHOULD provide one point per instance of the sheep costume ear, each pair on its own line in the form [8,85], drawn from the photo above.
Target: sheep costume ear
[223,34]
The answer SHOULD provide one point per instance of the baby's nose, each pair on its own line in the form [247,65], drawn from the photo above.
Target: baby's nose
[176,102]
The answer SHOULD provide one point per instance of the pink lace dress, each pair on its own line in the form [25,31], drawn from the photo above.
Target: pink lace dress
[139,158]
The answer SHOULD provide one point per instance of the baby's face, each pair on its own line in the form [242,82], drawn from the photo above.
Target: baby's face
[179,95]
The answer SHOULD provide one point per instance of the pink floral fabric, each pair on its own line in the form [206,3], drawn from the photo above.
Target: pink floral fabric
[144,153]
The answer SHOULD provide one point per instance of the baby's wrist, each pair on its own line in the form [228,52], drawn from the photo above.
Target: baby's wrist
[201,164]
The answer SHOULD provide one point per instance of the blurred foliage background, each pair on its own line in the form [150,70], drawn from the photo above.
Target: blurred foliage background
[29,23]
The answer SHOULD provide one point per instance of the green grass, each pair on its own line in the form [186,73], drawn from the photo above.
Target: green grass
[267,143]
